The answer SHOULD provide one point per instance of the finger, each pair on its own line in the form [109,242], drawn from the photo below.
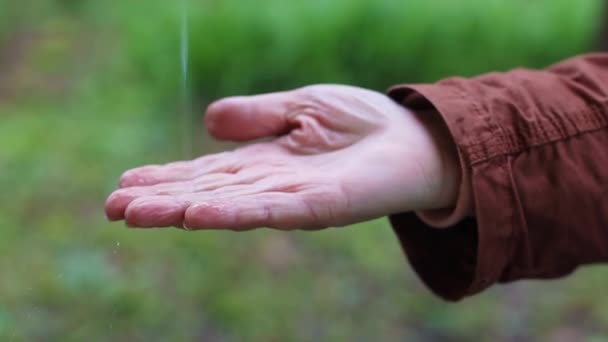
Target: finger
[202,183]
[119,200]
[250,117]
[156,211]
[278,210]
[208,187]
[177,171]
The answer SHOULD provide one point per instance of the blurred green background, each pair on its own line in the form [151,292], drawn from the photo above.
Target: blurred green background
[90,88]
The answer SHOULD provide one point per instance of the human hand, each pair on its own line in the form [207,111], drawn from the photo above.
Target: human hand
[340,155]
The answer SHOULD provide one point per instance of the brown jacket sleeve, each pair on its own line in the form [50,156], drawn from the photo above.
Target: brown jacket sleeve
[534,152]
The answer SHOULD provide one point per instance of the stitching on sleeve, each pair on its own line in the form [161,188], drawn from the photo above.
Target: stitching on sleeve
[594,123]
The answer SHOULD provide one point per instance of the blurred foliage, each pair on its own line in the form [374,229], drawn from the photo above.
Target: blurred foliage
[89,88]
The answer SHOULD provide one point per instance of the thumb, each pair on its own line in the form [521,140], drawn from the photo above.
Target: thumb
[250,117]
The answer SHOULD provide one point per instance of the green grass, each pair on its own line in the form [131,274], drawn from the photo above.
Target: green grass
[96,91]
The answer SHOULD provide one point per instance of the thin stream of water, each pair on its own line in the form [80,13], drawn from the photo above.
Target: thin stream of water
[186,96]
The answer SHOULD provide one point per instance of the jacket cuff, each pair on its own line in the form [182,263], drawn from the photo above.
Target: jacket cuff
[470,255]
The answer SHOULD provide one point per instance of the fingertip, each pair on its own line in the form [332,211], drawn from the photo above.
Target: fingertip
[192,218]
[126,180]
[216,107]
[206,216]
[116,203]
[154,212]
[217,116]
[138,177]
[243,118]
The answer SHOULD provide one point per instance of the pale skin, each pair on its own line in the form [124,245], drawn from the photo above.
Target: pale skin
[335,155]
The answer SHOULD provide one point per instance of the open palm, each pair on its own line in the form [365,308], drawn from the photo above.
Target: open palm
[339,155]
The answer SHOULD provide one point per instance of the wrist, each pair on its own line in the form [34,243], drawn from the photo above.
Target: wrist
[454,197]
[447,165]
